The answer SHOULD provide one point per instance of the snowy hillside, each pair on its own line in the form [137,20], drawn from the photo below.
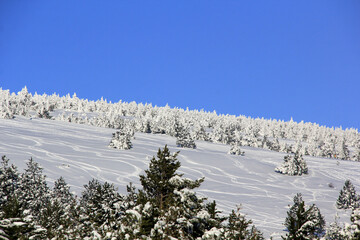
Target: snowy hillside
[80,152]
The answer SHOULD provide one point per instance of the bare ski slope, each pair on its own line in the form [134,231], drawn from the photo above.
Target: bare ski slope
[80,153]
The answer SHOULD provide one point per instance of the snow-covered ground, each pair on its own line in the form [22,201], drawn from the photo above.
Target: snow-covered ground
[80,153]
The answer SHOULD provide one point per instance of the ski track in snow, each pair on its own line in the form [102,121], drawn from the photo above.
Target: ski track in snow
[80,153]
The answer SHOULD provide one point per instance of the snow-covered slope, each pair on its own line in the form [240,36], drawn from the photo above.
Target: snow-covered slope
[80,153]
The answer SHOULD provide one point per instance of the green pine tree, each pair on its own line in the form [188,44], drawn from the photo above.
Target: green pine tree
[304,222]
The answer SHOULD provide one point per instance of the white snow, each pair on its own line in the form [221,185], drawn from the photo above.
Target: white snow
[80,153]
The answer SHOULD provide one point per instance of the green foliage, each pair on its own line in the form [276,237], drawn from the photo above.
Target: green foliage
[304,222]
[348,197]
[240,228]
[167,207]
[100,208]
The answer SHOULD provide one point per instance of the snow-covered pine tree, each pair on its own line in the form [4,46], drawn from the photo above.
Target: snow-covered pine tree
[16,224]
[184,138]
[304,222]
[185,216]
[9,180]
[356,154]
[199,133]
[348,197]
[293,165]
[33,193]
[43,113]
[166,194]
[239,227]
[353,230]
[343,152]
[328,149]
[60,216]
[120,140]
[335,231]
[100,211]
[235,149]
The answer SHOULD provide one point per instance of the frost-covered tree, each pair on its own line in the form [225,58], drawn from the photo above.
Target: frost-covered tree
[343,152]
[183,138]
[304,222]
[353,230]
[335,231]
[61,213]
[235,150]
[239,227]
[356,154]
[199,133]
[120,140]
[9,180]
[166,194]
[43,113]
[348,197]
[293,165]
[328,149]
[33,192]
[16,224]
[100,210]
[16,218]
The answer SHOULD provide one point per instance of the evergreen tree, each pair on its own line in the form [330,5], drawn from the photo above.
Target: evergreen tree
[184,138]
[9,178]
[335,231]
[353,231]
[61,213]
[162,190]
[33,192]
[344,153]
[356,154]
[43,113]
[235,150]
[328,149]
[16,224]
[120,140]
[348,197]
[240,228]
[200,134]
[100,210]
[304,222]
[293,165]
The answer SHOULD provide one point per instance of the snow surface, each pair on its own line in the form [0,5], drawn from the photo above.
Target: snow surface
[80,153]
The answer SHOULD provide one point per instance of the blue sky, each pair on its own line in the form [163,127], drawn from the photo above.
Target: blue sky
[272,59]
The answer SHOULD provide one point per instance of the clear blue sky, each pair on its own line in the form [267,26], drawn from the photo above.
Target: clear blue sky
[272,59]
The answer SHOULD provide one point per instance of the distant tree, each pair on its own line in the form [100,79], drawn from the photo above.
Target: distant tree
[293,165]
[304,222]
[183,138]
[43,113]
[328,149]
[348,197]
[344,152]
[120,140]
[200,134]
[356,154]
[235,150]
